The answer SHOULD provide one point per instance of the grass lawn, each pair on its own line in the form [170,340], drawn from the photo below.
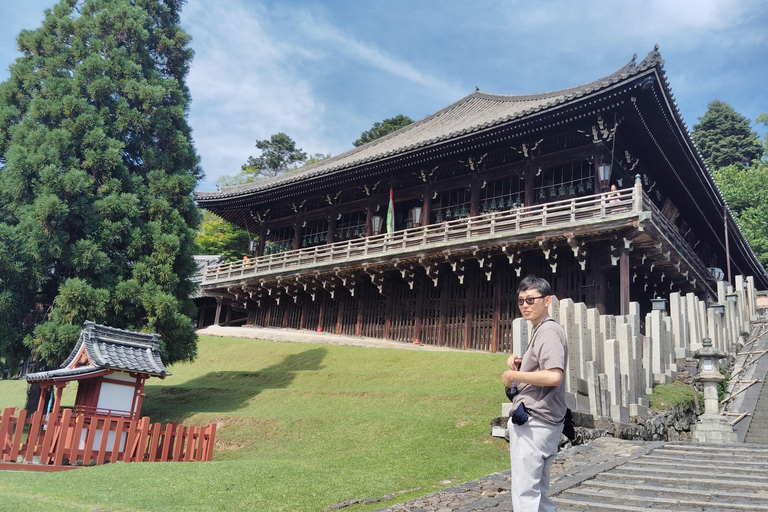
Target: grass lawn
[301,427]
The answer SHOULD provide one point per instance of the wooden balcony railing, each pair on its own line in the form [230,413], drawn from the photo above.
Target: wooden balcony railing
[488,226]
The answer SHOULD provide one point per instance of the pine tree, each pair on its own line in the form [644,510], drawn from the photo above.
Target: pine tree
[97,173]
[724,137]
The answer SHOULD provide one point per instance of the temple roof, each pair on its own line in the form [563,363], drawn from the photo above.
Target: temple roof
[100,348]
[474,113]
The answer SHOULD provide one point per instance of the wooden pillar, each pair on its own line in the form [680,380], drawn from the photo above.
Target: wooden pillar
[229,315]
[321,313]
[297,235]
[268,314]
[332,227]
[139,397]
[41,402]
[262,238]
[469,307]
[443,321]
[496,322]
[360,310]
[624,272]
[201,314]
[419,313]
[474,205]
[426,214]
[57,400]
[303,314]
[530,174]
[340,316]
[388,283]
[368,223]
[218,312]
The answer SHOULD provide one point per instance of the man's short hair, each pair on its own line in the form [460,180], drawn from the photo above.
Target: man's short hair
[532,282]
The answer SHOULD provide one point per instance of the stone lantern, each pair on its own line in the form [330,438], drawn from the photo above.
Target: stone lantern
[711,426]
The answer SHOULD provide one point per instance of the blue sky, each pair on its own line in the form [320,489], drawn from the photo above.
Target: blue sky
[324,71]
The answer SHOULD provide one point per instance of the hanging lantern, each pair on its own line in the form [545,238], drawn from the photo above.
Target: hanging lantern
[493,204]
[542,195]
[439,216]
[485,206]
[448,214]
[464,211]
[552,192]
[589,185]
[456,213]
[519,201]
[510,203]
[571,189]
[581,188]
[561,190]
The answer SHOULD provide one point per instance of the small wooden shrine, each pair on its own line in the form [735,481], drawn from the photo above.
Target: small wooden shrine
[110,366]
[425,233]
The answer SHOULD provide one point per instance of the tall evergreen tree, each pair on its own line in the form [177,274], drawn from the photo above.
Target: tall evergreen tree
[97,173]
[724,137]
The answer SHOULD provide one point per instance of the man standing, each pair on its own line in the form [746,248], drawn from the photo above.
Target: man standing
[539,406]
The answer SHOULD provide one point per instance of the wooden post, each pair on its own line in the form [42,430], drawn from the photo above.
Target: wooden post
[359,323]
[496,321]
[340,316]
[530,173]
[262,239]
[426,213]
[218,312]
[297,235]
[469,307]
[624,281]
[388,309]
[443,320]
[332,227]
[419,313]
[321,314]
[474,205]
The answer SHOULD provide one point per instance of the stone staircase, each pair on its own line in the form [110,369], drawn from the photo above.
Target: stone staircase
[758,424]
[690,477]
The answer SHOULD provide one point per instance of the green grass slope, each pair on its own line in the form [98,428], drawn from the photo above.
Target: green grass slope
[300,427]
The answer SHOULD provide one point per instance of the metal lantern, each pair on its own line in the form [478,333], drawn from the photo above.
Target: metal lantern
[604,176]
[417,211]
[376,222]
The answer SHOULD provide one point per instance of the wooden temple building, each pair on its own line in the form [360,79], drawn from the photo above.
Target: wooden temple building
[483,192]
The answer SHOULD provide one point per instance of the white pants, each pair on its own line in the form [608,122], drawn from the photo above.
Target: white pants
[532,448]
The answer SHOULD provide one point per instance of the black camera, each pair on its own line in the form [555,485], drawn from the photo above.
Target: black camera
[511,393]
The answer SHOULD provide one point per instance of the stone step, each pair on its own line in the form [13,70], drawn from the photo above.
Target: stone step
[684,471]
[710,496]
[600,497]
[684,468]
[725,463]
[570,504]
[741,482]
[715,449]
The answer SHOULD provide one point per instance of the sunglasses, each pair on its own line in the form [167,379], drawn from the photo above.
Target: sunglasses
[529,300]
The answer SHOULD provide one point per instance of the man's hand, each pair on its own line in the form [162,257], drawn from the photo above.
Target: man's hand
[514,362]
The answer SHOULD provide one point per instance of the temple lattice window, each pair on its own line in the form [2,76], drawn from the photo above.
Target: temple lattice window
[451,205]
[503,194]
[564,182]
[314,233]
[351,226]
[279,240]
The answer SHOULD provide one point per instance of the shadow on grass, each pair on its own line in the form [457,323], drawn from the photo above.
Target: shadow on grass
[225,391]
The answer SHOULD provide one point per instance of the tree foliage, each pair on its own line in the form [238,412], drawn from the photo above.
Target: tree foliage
[724,137]
[279,154]
[217,236]
[746,192]
[383,128]
[97,173]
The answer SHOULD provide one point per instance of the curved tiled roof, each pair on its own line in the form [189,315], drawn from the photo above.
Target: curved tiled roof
[109,348]
[474,113]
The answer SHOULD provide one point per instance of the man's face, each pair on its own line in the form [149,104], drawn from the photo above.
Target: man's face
[536,311]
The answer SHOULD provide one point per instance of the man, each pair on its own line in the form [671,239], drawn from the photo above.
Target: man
[540,383]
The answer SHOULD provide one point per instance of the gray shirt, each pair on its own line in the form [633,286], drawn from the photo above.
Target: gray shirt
[548,350]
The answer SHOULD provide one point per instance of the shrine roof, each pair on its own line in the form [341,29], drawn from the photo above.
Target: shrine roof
[101,348]
[474,113]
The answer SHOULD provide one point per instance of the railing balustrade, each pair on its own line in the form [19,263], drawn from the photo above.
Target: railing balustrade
[487,225]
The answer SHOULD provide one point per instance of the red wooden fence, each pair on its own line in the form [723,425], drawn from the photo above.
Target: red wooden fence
[69,440]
